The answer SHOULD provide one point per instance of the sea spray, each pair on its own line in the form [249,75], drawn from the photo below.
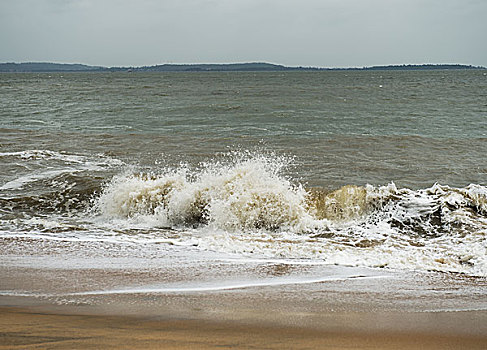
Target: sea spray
[246,194]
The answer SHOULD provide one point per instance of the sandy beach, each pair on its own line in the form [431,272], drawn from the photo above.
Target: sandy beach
[30,328]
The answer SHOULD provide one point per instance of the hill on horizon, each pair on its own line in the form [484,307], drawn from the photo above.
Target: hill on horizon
[209,67]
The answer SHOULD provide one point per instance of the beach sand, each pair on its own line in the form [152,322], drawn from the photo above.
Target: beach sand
[30,328]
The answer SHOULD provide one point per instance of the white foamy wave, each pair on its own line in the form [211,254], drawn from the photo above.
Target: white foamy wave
[65,157]
[248,194]
[43,154]
[248,207]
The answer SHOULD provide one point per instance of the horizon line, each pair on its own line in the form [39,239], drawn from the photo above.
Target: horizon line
[247,62]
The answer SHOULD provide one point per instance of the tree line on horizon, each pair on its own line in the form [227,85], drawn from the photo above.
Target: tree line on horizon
[254,66]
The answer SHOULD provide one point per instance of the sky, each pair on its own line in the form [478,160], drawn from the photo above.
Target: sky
[318,33]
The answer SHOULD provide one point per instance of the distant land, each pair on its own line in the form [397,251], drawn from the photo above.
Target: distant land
[38,67]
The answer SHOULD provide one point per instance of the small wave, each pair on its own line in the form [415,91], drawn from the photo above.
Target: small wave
[23,180]
[46,165]
[65,157]
[47,181]
[43,154]
[63,193]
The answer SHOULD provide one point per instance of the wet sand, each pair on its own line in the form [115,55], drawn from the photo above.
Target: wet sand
[58,295]
[29,328]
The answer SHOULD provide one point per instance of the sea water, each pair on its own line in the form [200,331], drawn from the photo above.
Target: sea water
[373,169]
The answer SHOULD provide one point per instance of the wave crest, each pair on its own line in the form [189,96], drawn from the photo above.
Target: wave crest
[253,194]
[249,194]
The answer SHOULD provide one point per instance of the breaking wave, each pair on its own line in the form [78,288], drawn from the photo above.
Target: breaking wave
[250,194]
[249,207]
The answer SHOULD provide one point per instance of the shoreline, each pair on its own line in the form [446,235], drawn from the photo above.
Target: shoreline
[89,295]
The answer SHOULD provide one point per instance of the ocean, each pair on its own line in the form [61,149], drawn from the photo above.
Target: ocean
[382,170]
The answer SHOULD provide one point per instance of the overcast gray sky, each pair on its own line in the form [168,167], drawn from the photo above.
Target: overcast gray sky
[325,33]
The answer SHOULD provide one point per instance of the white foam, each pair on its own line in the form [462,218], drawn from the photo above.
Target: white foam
[65,157]
[245,195]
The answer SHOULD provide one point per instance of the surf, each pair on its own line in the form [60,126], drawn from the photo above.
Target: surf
[247,203]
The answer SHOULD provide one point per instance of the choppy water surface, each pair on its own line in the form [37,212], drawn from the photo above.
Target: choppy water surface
[371,169]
